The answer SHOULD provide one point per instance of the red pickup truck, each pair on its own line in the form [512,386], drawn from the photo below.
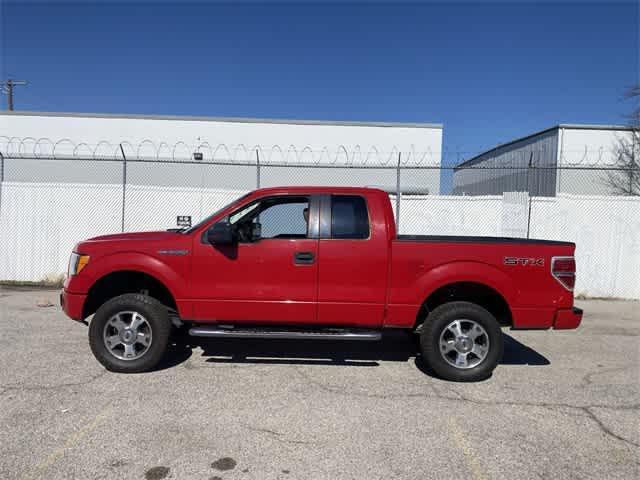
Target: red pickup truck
[322,263]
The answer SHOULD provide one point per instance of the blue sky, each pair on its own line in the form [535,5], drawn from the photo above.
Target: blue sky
[489,72]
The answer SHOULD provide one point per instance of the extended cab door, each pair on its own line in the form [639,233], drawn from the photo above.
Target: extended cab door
[352,280]
[270,273]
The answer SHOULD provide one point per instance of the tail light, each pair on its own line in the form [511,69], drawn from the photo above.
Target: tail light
[563,270]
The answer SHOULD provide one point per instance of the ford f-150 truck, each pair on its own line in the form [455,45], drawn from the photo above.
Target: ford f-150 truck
[320,263]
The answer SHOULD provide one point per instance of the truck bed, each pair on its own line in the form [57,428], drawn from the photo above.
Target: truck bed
[470,239]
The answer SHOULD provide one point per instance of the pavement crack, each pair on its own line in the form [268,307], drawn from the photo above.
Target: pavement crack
[550,405]
[319,385]
[279,436]
[588,378]
[452,395]
[606,430]
[36,388]
[263,430]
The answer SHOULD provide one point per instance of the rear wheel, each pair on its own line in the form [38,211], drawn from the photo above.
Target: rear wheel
[461,341]
[130,333]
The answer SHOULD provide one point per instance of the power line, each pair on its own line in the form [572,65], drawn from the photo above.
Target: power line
[7,89]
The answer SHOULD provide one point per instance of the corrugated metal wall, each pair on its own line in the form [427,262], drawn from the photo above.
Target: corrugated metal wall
[506,169]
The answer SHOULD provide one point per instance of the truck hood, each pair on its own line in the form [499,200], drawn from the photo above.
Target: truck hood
[145,236]
[144,242]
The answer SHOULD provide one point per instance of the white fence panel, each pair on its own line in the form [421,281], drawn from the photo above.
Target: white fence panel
[41,222]
[515,214]
[150,207]
[606,230]
[450,215]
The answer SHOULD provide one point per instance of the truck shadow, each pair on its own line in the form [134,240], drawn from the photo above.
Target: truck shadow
[395,346]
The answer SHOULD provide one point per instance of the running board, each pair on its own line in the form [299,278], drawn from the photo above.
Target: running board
[281,333]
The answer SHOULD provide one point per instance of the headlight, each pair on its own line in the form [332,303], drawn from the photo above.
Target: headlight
[76,263]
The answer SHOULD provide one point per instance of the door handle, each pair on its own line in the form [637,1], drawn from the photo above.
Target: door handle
[303,258]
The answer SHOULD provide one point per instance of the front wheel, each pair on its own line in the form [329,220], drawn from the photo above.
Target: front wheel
[461,341]
[130,333]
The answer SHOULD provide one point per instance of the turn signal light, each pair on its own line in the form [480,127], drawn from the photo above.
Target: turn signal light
[76,263]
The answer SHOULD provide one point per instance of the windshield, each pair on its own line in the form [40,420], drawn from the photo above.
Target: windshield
[205,220]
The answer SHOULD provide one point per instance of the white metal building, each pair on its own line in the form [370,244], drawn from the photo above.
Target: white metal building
[561,159]
[227,140]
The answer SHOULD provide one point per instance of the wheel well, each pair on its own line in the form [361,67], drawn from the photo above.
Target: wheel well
[119,283]
[477,293]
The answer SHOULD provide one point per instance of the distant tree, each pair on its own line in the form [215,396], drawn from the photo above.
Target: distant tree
[625,179]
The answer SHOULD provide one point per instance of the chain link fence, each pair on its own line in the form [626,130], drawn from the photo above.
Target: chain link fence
[48,203]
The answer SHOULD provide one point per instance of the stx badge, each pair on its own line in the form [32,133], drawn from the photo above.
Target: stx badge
[532,262]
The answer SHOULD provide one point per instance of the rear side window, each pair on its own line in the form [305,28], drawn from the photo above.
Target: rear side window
[349,217]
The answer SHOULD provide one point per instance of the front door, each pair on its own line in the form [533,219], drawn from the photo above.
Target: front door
[270,273]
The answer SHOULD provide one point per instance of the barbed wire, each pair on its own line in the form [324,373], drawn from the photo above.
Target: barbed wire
[341,155]
[147,149]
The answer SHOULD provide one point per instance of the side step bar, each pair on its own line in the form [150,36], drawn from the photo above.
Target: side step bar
[329,334]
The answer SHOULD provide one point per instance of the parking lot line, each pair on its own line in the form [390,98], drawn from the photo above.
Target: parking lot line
[73,439]
[462,444]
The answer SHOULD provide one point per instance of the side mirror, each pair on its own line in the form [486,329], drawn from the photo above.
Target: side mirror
[221,233]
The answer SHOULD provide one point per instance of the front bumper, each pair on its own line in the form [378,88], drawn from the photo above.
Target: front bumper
[568,318]
[72,304]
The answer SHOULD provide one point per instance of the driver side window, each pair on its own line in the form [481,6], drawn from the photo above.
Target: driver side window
[272,218]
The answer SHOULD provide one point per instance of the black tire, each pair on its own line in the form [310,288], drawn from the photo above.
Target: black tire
[157,320]
[436,323]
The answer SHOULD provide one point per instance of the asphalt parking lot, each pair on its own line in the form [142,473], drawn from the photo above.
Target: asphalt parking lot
[561,405]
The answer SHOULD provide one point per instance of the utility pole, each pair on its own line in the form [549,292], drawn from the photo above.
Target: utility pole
[7,88]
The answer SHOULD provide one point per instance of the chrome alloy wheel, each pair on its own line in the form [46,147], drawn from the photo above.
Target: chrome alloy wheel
[464,344]
[127,335]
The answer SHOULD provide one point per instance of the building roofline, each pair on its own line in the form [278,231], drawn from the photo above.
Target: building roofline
[224,119]
[571,126]
[578,126]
